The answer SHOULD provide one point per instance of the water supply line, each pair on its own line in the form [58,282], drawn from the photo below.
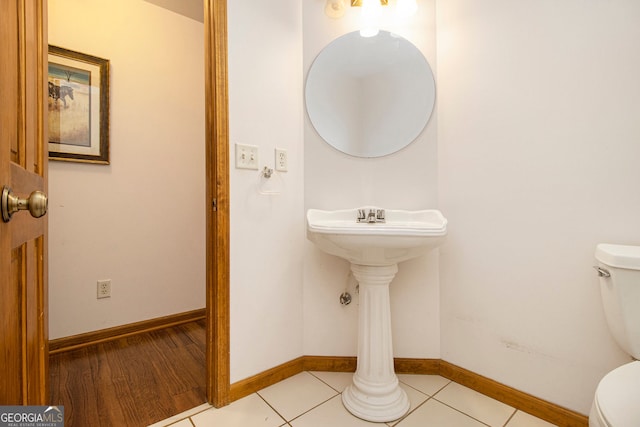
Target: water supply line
[345,298]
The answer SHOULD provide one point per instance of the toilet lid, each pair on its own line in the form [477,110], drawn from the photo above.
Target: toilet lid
[618,396]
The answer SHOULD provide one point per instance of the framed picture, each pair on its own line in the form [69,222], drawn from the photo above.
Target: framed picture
[78,106]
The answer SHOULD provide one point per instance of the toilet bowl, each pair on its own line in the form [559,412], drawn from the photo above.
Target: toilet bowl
[617,399]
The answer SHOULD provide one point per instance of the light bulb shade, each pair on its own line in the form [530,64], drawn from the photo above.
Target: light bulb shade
[334,9]
[369,31]
[370,18]
[359,2]
[406,7]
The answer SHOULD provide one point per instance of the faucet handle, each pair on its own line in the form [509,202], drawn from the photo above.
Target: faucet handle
[380,215]
[361,215]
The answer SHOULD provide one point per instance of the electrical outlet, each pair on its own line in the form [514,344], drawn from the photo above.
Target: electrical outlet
[246,157]
[281,160]
[104,288]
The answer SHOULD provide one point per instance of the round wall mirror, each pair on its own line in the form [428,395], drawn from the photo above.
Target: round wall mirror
[370,96]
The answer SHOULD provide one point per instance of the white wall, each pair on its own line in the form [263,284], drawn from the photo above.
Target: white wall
[267,231]
[140,220]
[538,136]
[404,180]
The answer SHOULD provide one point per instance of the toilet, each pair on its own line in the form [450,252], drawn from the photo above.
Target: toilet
[617,399]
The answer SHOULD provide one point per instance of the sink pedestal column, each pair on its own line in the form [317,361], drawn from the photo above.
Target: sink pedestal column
[375,394]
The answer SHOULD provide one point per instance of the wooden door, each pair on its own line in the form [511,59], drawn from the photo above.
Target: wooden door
[23,168]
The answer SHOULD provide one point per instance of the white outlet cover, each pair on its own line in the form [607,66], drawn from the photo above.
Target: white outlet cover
[281,160]
[104,288]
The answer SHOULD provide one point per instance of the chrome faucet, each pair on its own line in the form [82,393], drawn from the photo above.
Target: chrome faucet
[373,216]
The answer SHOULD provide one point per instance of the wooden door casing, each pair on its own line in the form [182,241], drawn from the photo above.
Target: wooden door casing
[218,215]
[23,166]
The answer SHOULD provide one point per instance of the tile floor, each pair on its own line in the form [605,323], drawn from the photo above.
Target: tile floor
[312,399]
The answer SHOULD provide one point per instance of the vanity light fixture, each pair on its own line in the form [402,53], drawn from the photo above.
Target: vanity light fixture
[359,2]
[371,12]
[334,8]
[370,17]
[406,8]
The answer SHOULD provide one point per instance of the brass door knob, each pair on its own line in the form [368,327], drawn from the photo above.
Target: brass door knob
[36,204]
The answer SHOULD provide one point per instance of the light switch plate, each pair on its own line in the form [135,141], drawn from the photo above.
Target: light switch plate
[246,156]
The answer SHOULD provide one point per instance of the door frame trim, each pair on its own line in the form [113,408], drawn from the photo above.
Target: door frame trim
[217,202]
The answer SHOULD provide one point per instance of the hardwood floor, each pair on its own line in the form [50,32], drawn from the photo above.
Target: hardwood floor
[133,381]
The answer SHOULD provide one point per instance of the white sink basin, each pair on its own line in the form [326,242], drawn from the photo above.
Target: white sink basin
[404,235]
[374,250]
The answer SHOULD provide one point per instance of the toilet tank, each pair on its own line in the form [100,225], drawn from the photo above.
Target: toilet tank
[621,293]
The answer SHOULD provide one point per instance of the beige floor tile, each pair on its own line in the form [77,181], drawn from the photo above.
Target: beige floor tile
[428,384]
[312,399]
[336,380]
[183,423]
[186,414]
[250,411]
[416,399]
[474,404]
[434,413]
[296,395]
[331,413]
[522,419]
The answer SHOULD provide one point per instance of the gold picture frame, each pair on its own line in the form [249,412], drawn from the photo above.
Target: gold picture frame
[78,106]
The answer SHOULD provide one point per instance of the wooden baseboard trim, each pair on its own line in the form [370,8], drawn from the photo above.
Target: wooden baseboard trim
[274,375]
[60,345]
[525,402]
[264,379]
[330,363]
[417,366]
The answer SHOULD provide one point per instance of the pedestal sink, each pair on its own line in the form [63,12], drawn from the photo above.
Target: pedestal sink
[374,250]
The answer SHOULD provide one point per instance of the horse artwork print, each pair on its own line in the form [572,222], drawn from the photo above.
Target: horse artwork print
[60,92]
[78,106]
[69,105]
